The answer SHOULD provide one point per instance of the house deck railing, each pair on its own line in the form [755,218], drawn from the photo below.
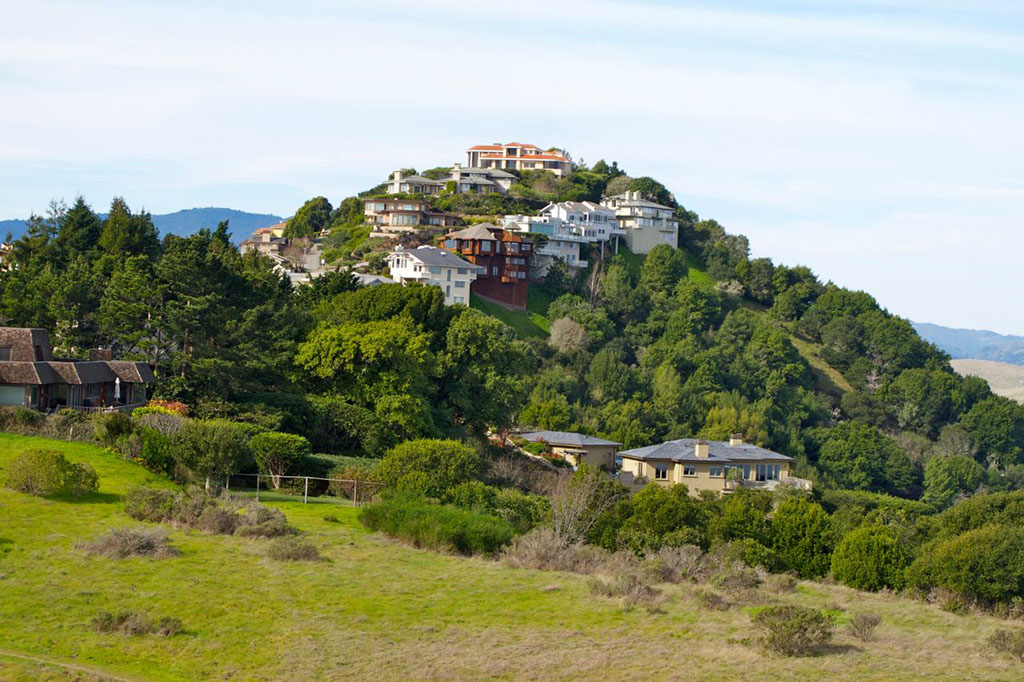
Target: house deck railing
[103,409]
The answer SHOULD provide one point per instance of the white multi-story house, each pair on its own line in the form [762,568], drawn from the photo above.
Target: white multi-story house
[460,180]
[391,214]
[566,225]
[434,266]
[519,156]
[644,223]
[400,183]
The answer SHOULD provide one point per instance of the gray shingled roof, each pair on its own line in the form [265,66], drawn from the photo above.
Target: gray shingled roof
[431,255]
[417,178]
[132,372]
[639,202]
[478,231]
[565,438]
[682,450]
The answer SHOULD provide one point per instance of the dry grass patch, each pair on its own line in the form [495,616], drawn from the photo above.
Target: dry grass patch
[133,624]
[122,543]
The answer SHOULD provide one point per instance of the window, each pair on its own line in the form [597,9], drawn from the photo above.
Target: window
[448,274]
[485,246]
[462,271]
[460,299]
[434,269]
[689,470]
[448,291]
[660,472]
[715,472]
[5,354]
[494,269]
[460,284]
[92,390]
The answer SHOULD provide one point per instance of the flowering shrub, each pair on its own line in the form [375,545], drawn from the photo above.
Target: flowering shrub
[172,406]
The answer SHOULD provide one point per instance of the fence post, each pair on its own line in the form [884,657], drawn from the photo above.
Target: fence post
[227,482]
[355,492]
[257,487]
[305,493]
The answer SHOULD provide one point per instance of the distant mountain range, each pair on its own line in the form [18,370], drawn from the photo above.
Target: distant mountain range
[185,222]
[976,344]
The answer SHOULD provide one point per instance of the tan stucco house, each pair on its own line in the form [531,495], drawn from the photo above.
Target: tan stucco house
[576,447]
[719,466]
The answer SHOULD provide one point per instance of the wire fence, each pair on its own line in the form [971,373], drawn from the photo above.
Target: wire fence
[349,490]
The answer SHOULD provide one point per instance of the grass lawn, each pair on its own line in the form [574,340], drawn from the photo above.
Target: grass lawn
[529,323]
[374,609]
[827,378]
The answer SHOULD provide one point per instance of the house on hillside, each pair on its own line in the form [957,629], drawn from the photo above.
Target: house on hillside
[300,258]
[567,225]
[400,183]
[31,377]
[519,156]
[718,466]
[577,448]
[433,266]
[645,224]
[392,214]
[503,257]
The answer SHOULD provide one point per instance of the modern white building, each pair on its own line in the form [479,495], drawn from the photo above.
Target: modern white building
[566,225]
[433,266]
[645,224]
[460,180]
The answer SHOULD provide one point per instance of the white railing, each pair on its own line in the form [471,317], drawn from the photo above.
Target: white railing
[104,409]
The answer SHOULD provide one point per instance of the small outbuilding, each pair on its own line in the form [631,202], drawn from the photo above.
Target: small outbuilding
[577,447]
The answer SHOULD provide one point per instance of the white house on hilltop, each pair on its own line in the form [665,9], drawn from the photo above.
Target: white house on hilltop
[434,266]
[567,224]
[644,223]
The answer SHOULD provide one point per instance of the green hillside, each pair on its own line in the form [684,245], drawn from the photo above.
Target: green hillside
[374,609]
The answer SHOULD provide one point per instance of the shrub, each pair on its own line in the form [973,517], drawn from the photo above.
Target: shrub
[863,625]
[631,588]
[27,418]
[870,558]
[292,549]
[172,406]
[438,527]
[195,508]
[133,623]
[47,472]
[121,543]
[985,564]
[781,583]
[157,450]
[542,549]
[278,453]
[712,601]
[110,427]
[678,564]
[793,630]
[437,464]
[1008,642]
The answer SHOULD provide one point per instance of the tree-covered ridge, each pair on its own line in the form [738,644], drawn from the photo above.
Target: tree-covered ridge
[700,340]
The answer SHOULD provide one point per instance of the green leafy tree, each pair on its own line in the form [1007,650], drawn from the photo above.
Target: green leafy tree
[997,426]
[662,269]
[946,478]
[871,558]
[801,535]
[278,453]
[214,447]
[986,564]
[432,466]
[129,234]
[860,457]
[313,217]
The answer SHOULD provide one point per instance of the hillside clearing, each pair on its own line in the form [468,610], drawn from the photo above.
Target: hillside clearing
[377,609]
[826,377]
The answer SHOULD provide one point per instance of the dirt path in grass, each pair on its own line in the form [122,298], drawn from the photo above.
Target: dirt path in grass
[74,667]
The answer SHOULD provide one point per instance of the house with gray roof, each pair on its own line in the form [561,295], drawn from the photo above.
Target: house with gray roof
[31,377]
[719,466]
[577,448]
[432,266]
[644,223]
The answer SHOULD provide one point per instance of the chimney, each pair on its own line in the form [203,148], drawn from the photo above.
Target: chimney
[736,439]
[100,354]
[700,449]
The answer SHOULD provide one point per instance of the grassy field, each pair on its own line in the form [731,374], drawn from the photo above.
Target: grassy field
[529,323]
[826,377]
[373,609]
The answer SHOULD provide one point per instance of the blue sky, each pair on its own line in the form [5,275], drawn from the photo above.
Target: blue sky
[880,143]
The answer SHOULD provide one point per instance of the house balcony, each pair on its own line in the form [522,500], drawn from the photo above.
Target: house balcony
[771,484]
[102,410]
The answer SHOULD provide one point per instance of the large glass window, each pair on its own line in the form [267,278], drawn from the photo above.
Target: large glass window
[661,472]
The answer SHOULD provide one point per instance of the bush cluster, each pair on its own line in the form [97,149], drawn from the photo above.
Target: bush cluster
[292,549]
[48,472]
[793,630]
[194,508]
[122,543]
[440,527]
[133,623]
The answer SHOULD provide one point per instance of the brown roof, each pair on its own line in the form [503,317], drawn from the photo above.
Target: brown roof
[22,342]
[132,372]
